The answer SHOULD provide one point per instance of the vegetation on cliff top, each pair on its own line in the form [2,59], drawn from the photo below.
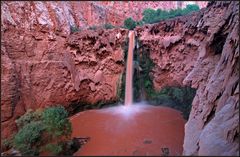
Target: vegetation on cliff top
[153,16]
[149,16]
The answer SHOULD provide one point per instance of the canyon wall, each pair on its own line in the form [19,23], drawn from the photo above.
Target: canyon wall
[201,50]
[40,70]
[43,65]
[59,16]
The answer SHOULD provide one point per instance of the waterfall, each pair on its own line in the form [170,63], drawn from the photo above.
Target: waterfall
[129,71]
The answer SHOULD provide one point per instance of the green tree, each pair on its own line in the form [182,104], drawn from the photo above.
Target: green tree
[74,29]
[108,26]
[192,7]
[27,140]
[29,116]
[148,15]
[54,148]
[153,16]
[129,23]
[93,27]
[37,131]
[56,122]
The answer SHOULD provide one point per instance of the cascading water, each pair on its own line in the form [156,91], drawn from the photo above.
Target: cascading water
[129,73]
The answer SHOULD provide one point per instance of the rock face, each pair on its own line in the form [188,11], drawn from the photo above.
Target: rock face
[213,126]
[41,69]
[43,65]
[173,47]
[202,51]
[59,16]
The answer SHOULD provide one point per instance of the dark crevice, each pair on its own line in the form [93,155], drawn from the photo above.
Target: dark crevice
[234,88]
[220,37]
[218,43]
[236,136]
[205,30]
[73,146]
[219,95]
[210,116]
[154,30]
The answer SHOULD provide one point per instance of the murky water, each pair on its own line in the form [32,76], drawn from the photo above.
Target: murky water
[132,130]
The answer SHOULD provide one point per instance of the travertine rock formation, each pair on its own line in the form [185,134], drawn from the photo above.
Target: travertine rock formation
[213,126]
[39,70]
[173,47]
[202,50]
[43,65]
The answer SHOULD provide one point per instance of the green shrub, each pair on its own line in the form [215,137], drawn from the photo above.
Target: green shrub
[108,26]
[153,16]
[74,29]
[93,27]
[29,116]
[7,143]
[192,7]
[148,15]
[129,23]
[139,23]
[179,98]
[55,149]
[27,139]
[38,129]
[56,122]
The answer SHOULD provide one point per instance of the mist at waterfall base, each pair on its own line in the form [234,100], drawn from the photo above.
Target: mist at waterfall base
[130,128]
[127,111]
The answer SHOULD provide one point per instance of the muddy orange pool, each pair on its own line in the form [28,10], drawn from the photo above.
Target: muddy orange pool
[132,130]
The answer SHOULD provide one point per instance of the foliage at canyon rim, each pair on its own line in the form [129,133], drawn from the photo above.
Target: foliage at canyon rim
[154,16]
[42,130]
[151,16]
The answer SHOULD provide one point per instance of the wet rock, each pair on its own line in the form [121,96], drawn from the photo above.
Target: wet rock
[11,152]
[147,141]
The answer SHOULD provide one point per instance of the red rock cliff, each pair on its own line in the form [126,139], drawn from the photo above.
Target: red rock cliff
[41,69]
[42,65]
[202,51]
[59,16]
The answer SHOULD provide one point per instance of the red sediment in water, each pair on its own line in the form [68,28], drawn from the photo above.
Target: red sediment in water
[119,132]
[129,71]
